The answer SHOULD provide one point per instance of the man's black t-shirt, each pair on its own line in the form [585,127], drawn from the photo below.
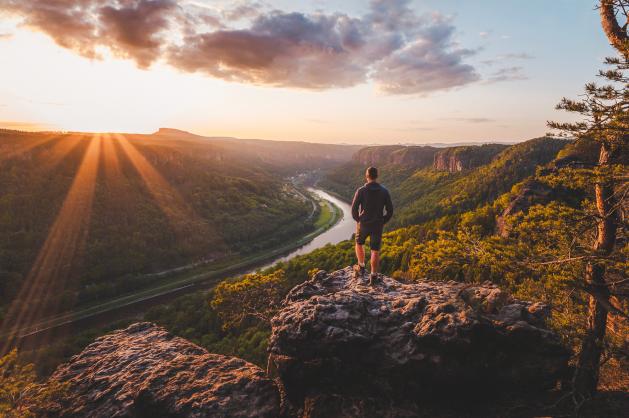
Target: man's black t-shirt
[369,204]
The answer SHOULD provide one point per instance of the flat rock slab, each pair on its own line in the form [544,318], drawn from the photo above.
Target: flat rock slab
[335,335]
[143,371]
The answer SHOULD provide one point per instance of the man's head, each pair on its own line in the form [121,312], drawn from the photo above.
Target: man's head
[371,174]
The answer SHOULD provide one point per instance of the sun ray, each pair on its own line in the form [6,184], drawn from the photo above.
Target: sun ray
[113,171]
[18,147]
[181,215]
[114,175]
[39,293]
[61,148]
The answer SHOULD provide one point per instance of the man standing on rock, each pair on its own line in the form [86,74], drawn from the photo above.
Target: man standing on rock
[371,209]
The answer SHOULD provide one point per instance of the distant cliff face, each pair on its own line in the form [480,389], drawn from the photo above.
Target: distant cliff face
[452,159]
[409,156]
[338,348]
[457,159]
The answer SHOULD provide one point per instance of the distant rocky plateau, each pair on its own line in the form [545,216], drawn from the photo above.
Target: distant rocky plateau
[452,159]
[339,348]
[462,158]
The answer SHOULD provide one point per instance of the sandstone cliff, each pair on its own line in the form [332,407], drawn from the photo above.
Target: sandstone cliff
[457,159]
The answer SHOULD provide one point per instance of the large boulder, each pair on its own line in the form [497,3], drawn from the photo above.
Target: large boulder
[143,371]
[343,348]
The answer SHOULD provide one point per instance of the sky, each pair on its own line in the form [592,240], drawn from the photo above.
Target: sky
[344,71]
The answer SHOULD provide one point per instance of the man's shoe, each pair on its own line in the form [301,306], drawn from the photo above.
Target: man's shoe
[373,279]
[359,271]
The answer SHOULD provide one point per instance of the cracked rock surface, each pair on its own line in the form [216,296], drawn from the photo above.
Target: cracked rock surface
[336,337]
[143,371]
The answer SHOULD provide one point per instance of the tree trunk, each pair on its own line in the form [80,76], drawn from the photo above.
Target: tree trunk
[586,376]
[616,34]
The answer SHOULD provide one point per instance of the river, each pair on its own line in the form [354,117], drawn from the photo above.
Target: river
[341,231]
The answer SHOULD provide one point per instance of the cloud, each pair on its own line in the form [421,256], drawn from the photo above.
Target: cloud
[243,10]
[281,49]
[471,120]
[508,57]
[129,28]
[400,51]
[520,56]
[409,129]
[133,30]
[430,62]
[506,74]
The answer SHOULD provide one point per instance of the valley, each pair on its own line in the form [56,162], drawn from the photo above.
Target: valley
[132,218]
[333,225]
[469,214]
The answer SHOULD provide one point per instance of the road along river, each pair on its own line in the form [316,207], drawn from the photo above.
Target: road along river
[135,305]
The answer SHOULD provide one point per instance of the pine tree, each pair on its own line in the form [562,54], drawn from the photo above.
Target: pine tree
[605,112]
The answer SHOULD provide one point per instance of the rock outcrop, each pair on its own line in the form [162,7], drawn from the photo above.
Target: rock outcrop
[533,192]
[457,159]
[341,348]
[143,371]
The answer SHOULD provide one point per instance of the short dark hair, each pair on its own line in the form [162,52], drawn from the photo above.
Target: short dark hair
[372,173]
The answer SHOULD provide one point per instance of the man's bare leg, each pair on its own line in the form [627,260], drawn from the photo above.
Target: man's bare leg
[360,254]
[375,261]
[359,269]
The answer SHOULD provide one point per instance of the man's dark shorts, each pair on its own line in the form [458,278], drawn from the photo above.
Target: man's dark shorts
[373,230]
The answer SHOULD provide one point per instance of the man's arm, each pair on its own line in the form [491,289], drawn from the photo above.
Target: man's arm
[388,205]
[356,205]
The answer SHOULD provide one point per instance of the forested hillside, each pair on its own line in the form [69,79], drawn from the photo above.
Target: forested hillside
[103,211]
[424,192]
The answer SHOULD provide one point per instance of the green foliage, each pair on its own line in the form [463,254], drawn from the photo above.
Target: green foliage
[603,108]
[193,318]
[21,395]
[462,192]
[250,296]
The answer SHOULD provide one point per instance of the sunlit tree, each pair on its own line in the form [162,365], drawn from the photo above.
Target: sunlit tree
[604,111]
[21,395]
[253,296]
